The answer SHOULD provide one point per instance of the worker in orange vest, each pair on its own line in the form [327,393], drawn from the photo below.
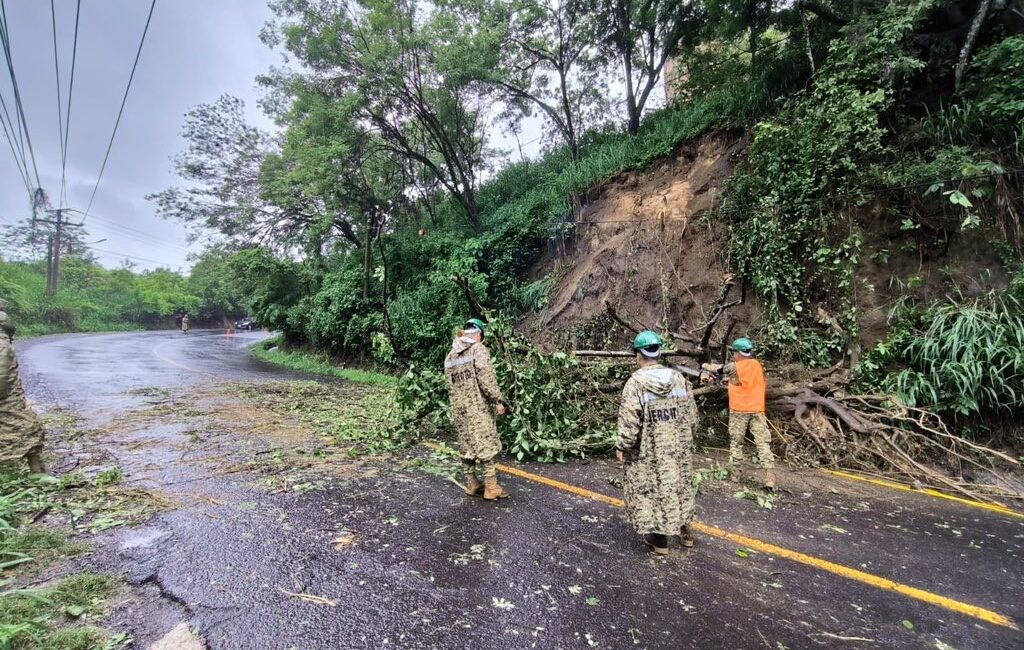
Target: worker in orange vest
[745,381]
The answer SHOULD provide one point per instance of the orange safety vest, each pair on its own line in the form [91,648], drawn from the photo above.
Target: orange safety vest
[748,395]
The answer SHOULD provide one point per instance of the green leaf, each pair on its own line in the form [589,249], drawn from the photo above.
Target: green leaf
[907,624]
[956,197]
[593,602]
[74,611]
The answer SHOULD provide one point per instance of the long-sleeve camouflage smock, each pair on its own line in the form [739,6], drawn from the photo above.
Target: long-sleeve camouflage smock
[473,390]
[656,422]
[20,429]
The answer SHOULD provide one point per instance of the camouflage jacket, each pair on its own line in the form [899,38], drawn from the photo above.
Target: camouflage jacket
[20,429]
[656,421]
[473,391]
[6,326]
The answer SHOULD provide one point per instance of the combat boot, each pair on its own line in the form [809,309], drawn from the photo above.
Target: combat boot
[656,542]
[473,485]
[686,536]
[769,479]
[492,490]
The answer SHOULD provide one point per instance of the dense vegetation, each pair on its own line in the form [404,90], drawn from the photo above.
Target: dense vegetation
[92,298]
[382,214]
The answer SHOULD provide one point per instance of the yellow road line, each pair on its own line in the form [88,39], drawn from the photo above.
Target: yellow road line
[993,507]
[838,569]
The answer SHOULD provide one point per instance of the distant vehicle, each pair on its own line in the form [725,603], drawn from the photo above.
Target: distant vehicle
[245,324]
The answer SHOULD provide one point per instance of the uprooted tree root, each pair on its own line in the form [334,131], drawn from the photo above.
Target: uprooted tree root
[875,434]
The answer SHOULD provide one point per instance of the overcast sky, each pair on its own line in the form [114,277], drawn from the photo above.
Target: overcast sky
[195,51]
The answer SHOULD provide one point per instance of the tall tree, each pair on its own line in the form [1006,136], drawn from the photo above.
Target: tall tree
[226,169]
[642,35]
[549,61]
[406,70]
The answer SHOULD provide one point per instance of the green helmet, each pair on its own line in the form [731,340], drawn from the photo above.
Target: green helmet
[647,341]
[743,344]
[477,323]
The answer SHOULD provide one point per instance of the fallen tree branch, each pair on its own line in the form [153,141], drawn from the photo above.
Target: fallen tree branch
[614,315]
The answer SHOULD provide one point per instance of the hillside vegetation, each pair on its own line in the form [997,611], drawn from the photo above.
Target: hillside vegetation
[841,181]
[91,298]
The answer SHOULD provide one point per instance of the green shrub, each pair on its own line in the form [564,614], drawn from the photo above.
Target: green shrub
[964,357]
[554,413]
[994,82]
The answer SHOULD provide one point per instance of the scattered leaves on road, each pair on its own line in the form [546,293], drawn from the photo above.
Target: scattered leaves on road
[343,540]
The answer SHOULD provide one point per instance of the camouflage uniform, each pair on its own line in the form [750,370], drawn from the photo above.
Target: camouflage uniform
[739,422]
[21,433]
[474,392]
[185,324]
[656,421]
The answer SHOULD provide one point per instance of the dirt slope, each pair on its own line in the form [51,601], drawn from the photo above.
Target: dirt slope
[647,246]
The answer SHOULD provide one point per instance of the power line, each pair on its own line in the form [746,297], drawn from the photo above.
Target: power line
[125,255]
[124,99]
[60,104]
[116,231]
[65,125]
[5,40]
[128,230]
[19,163]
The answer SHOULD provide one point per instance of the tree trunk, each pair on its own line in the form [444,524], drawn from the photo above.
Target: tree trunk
[468,200]
[366,258]
[972,37]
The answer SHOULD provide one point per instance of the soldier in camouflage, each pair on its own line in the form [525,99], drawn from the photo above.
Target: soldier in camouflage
[21,433]
[655,445]
[475,400]
[186,324]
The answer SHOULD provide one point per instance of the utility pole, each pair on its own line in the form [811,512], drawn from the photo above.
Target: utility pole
[55,248]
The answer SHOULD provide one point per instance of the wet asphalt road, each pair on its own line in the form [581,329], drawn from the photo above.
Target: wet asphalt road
[430,568]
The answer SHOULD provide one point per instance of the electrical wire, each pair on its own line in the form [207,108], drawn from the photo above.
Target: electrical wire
[18,162]
[60,104]
[128,231]
[5,41]
[120,112]
[127,256]
[66,128]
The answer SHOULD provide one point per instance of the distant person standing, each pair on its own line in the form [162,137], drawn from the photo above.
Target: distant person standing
[655,447]
[746,384]
[475,401]
[185,324]
[21,432]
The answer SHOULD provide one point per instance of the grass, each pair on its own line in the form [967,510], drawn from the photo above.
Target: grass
[361,420]
[36,546]
[59,617]
[315,364]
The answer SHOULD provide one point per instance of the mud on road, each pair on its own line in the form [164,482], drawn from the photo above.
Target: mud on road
[274,537]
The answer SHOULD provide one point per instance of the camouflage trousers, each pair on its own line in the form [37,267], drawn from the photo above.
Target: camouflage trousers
[758,425]
[487,467]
